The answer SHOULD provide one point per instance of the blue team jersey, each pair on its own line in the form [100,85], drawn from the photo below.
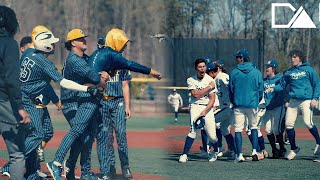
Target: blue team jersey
[276,98]
[114,85]
[36,72]
[106,59]
[303,82]
[76,69]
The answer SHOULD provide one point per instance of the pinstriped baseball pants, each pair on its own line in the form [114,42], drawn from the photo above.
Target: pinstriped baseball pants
[47,125]
[87,108]
[113,118]
[85,140]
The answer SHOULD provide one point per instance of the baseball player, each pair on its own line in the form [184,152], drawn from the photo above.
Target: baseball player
[245,100]
[176,102]
[115,112]
[80,109]
[275,109]
[304,93]
[108,58]
[223,114]
[44,99]
[36,72]
[202,88]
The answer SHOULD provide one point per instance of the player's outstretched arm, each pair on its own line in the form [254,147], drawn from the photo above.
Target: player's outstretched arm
[68,84]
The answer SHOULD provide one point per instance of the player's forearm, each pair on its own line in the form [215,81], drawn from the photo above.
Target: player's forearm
[65,83]
[126,94]
[200,93]
[210,104]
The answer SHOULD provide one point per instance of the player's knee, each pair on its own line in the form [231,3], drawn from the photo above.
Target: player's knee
[289,125]
[192,135]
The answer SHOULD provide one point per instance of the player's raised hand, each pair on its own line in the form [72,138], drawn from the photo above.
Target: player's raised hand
[313,103]
[155,74]
[25,116]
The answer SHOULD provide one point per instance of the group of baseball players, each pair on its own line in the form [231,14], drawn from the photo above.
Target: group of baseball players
[94,100]
[245,100]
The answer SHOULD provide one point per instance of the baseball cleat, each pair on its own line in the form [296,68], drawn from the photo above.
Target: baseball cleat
[89,176]
[317,159]
[287,142]
[5,173]
[239,158]
[175,120]
[220,151]
[282,152]
[275,154]
[104,177]
[55,170]
[230,154]
[126,172]
[292,154]
[265,153]
[183,158]
[68,173]
[41,174]
[212,157]
[316,150]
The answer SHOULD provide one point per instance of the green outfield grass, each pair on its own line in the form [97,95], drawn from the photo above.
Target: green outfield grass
[134,123]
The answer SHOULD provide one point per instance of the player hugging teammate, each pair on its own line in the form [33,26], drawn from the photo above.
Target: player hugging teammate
[253,100]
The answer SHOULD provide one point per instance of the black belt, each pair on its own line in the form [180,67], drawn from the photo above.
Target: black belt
[200,104]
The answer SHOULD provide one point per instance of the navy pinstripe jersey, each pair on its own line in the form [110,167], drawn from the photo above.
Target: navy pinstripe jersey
[36,72]
[106,59]
[49,95]
[114,85]
[76,69]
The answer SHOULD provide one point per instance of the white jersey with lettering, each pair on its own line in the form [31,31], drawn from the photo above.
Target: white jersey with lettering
[198,84]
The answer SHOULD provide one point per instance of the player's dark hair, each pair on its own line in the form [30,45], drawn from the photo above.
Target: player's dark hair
[68,45]
[298,53]
[25,40]
[8,20]
[223,69]
[198,61]
[275,70]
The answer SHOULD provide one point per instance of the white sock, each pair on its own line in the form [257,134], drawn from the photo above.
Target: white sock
[254,151]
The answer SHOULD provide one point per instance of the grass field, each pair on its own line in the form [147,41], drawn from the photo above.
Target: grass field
[162,160]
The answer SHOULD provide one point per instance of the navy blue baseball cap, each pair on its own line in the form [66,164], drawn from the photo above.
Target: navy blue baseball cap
[242,53]
[219,62]
[272,63]
[211,66]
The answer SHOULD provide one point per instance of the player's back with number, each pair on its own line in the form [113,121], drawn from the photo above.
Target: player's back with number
[36,71]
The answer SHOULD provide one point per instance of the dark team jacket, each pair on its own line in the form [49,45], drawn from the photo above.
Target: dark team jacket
[10,86]
[107,59]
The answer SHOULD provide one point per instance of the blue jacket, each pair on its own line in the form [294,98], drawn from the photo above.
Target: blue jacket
[303,81]
[246,86]
[276,98]
[106,59]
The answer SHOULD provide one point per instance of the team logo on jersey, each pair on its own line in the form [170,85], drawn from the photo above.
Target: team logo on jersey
[25,69]
[266,85]
[298,75]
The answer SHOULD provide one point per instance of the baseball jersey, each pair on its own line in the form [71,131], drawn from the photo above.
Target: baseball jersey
[36,72]
[76,69]
[276,98]
[303,81]
[175,99]
[198,84]
[114,85]
[222,83]
[106,59]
